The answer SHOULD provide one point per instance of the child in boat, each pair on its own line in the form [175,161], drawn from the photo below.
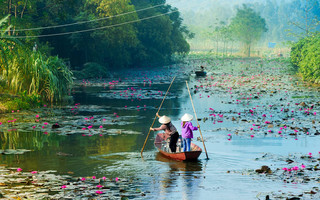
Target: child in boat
[169,129]
[187,131]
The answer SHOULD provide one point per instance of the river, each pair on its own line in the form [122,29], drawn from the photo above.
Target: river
[121,110]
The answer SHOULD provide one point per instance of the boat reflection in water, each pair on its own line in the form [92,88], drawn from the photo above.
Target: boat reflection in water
[182,178]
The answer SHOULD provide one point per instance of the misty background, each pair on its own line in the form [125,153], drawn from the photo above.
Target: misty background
[285,19]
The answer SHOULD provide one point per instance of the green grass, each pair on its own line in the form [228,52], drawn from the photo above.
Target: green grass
[10,102]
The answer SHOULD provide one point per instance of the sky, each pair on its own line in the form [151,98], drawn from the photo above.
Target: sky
[204,4]
[184,5]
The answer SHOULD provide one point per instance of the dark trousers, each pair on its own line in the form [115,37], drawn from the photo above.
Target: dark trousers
[173,142]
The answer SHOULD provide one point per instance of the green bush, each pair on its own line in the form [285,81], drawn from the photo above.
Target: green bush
[305,55]
[48,77]
[23,101]
[94,70]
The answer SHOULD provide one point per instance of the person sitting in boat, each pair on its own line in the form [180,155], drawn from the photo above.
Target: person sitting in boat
[202,68]
[170,131]
[187,131]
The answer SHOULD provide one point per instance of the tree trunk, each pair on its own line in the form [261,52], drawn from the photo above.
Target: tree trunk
[232,48]
[217,47]
[9,12]
[24,8]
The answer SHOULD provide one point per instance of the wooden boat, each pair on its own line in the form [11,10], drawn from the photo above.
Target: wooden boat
[178,165]
[160,142]
[200,73]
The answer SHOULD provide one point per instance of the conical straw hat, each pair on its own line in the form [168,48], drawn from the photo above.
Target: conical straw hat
[186,117]
[164,119]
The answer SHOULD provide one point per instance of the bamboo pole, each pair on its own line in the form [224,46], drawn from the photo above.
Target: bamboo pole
[195,114]
[156,116]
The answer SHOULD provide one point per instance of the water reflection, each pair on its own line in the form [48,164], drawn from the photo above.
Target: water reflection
[181,175]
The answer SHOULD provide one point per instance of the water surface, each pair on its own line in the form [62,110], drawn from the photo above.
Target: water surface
[129,104]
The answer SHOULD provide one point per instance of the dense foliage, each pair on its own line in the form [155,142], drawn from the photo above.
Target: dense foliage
[28,72]
[91,36]
[111,33]
[305,56]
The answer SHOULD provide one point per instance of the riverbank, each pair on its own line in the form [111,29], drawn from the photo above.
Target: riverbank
[15,103]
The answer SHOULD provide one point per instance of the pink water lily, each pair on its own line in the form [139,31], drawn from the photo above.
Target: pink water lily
[295,168]
[19,170]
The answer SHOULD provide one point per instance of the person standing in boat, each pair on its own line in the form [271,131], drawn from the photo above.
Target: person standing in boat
[170,131]
[187,131]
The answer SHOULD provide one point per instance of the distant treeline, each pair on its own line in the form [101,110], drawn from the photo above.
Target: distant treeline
[107,33]
[285,20]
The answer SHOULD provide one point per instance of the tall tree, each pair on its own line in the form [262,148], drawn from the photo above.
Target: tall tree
[161,36]
[248,26]
[112,46]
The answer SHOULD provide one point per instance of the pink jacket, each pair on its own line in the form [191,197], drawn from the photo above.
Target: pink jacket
[186,130]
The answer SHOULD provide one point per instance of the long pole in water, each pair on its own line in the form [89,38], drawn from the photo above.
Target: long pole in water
[195,114]
[156,116]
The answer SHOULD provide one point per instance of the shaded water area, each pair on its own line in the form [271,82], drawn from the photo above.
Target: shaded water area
[260,104]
